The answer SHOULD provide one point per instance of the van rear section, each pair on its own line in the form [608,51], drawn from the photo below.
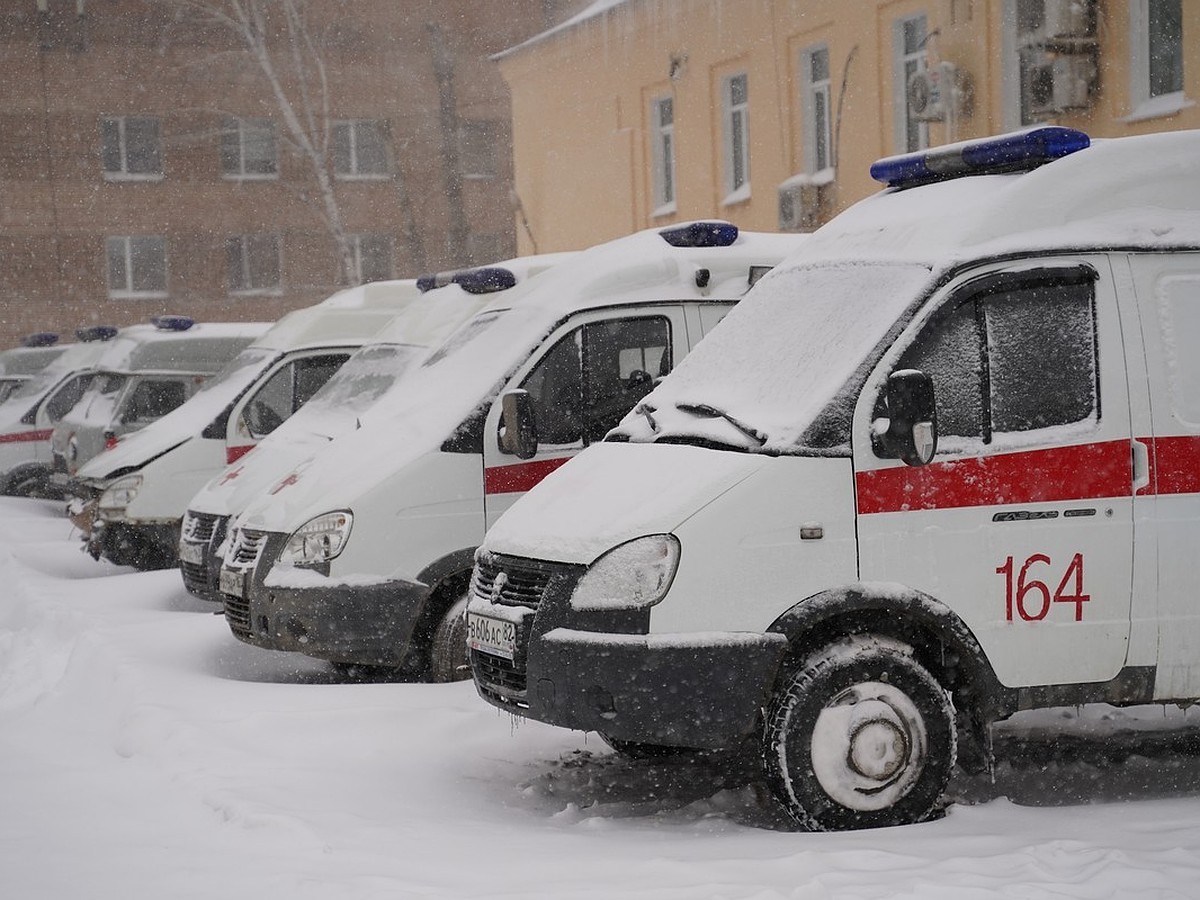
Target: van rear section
[939,466]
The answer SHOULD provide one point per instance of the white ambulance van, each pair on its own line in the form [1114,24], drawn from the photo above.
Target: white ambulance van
[369,377]
[141,486]
[147,371]
[941,465]
[363,555]
[19,364]
[28,416]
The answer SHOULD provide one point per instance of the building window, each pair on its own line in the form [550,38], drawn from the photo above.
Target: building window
[131,147]
[735,92]
[360,149]
[372,256]
[818,130]
[248,148]
[252,261]
[910,57]
[137,266]
[1156,64]
[477,142]
[662,136]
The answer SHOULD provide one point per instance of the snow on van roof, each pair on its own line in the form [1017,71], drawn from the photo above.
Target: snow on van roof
[349,316]
[1121,192]
[204,347]
[472,365]
[27,360]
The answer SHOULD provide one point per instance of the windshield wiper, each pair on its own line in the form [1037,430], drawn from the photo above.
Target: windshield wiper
[711,412]
[645,409]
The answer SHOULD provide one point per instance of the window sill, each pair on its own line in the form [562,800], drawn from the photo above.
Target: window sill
[131,176]
[667,209]
[741,195]
[258,292]
[382,176]
[1159,107]
[237,177]
[138,295]
[478,176]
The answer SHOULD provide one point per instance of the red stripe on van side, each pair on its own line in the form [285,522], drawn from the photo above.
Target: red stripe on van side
[21,437]
[1082,472]
[1175,465]
[518,478]
[233,454]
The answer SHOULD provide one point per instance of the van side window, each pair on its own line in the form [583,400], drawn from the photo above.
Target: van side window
[593,376]
[67,396]
[1016,356]
[152,400]
[288,389]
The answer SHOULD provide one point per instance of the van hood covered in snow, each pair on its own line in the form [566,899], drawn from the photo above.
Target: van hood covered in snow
[612,493]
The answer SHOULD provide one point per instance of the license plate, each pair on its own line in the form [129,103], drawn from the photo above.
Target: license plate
[191,553]
[232,582]
[493,636]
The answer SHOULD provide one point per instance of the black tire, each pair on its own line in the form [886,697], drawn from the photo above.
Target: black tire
[448,660]
[860,735]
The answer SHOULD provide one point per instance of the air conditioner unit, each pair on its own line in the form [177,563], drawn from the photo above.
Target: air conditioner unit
[1066,19]
[936,92]
[802,204]
[1060,83]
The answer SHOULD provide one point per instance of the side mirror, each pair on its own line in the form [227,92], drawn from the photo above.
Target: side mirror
[518,424]
[911,426]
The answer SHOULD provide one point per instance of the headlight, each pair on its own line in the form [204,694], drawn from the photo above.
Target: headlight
[631,576]
[120,493]
[318,540]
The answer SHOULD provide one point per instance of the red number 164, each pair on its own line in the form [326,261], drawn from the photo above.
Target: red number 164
[1032,597]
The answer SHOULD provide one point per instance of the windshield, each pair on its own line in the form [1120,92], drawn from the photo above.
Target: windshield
[781,359]
[364,378]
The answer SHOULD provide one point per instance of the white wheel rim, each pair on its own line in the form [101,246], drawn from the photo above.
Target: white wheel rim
[869,746]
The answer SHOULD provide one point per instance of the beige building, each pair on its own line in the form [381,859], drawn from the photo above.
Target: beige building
[768,113]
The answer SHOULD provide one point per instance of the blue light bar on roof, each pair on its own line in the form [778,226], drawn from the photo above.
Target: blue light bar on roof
[1017,152]
[172,323]
[700,234]
[484,280]
[96,333]
[40,339]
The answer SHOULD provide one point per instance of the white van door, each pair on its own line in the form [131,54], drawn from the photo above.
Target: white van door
[1023,522]
[1167,286]
[582,381]
[287,387]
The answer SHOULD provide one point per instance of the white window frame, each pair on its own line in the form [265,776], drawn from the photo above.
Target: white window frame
[123,173]
[815,93]
[244,244]
[355,172]
[242,126]
[356,252]
[128,291]
[735,119]
[662,153]
[904,63]
[1143,104]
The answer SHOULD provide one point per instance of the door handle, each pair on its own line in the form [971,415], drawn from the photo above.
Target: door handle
[1141,465]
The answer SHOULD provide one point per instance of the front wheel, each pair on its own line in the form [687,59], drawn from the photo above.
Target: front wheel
[860,736]
[448,659]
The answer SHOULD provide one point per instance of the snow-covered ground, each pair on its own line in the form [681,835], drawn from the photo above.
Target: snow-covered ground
[146,753]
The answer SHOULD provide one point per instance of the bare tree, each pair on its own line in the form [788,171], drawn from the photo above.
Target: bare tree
[278,37]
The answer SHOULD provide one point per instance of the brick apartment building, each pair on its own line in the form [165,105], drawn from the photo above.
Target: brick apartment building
[147,166]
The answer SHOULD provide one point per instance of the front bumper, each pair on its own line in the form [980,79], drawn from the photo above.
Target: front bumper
[199,562]
[590,671]
[363,624]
